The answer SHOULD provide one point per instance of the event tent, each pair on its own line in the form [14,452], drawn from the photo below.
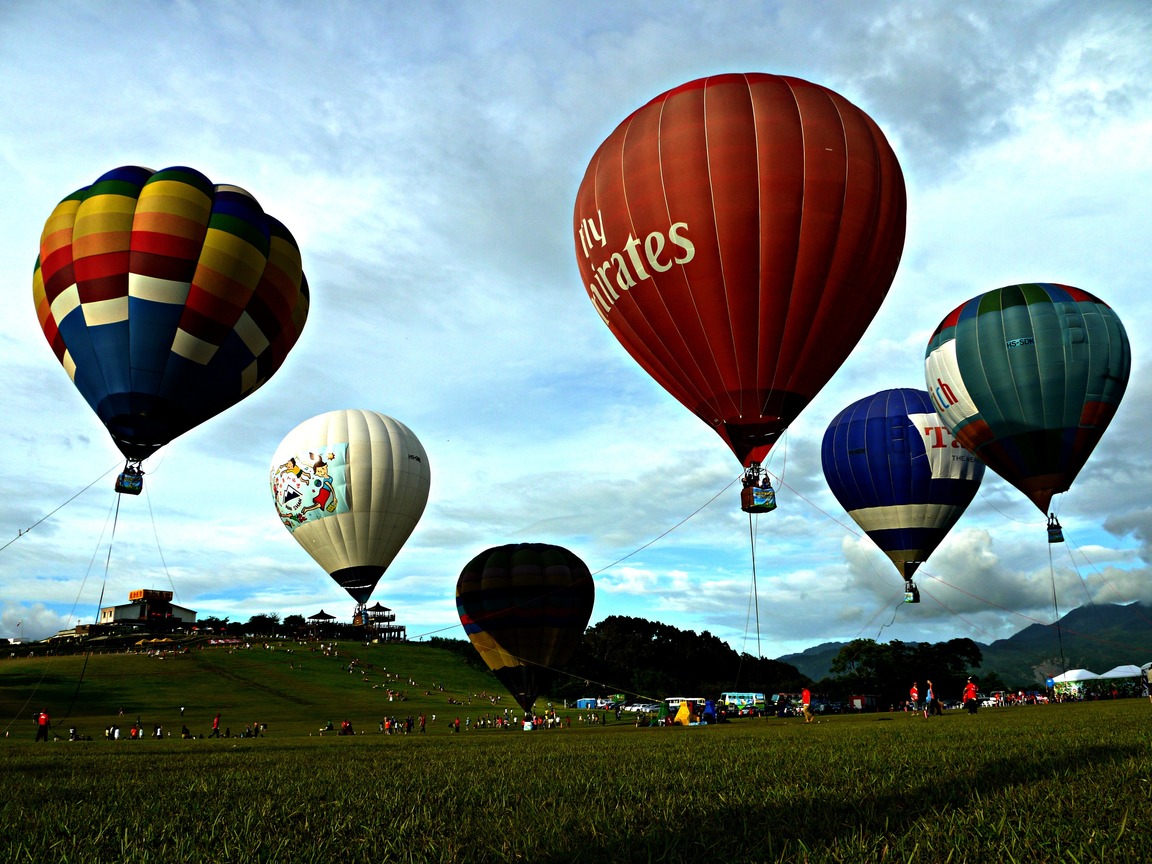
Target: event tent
[1126,671]
[1075,675]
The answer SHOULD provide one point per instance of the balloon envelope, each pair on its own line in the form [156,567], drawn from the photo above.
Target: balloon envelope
[167,299]
[1028,377]
[524,607]
[737,234]
[350,486]
[899,472]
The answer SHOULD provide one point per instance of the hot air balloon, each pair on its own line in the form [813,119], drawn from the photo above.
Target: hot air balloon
[1028,377]
[167,299]
[737,234]
[350,487]
[900,474]
[524,607]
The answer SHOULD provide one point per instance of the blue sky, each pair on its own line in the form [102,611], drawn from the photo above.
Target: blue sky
[426,158]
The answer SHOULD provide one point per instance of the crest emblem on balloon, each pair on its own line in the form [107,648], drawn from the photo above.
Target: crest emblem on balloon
[311,485]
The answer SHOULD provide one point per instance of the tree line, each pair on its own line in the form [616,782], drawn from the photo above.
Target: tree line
[648,660]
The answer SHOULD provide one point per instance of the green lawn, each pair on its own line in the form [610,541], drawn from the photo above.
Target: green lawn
[293,689]
[1057,783]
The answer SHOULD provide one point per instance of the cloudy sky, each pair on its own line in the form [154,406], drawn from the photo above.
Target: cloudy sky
[426,158]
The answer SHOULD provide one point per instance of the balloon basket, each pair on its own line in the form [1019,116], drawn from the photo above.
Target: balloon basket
[757,499]
[130,481]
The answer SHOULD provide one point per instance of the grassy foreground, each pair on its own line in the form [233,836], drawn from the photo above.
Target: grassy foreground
[1058,783]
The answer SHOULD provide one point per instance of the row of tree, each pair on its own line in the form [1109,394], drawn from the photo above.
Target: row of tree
[267,625]
[888,669]
[647,659]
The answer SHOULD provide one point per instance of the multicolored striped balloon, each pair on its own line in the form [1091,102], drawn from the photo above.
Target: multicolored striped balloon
[167,299]
[899,473]
[524,607]
[1028,377]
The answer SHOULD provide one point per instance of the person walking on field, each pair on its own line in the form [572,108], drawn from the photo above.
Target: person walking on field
[806,705]
[929,698]
[970,696]
[43,724]
[215,726]
[914,697]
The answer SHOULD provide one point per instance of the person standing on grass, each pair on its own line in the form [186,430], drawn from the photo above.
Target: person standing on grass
[43,724]
[970,696]
[806,705]
[914,697]
[215,726]
[929,698]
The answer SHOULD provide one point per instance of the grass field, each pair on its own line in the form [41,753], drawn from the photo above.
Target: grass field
[1057,783]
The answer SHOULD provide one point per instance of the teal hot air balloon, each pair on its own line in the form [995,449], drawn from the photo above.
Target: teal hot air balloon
[524,607]
[900,474]
[1028,377]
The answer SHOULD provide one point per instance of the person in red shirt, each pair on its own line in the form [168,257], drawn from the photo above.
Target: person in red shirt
[43,724]
[806,705]
[970,696]
[914,697]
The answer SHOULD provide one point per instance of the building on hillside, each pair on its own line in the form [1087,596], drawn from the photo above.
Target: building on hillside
[381,621]
[148,608]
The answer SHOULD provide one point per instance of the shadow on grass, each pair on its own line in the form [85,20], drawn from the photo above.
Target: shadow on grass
[826,825]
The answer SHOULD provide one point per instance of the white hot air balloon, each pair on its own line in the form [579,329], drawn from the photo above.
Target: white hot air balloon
[350,486]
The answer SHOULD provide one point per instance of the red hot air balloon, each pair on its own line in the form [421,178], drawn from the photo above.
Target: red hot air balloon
[737,234]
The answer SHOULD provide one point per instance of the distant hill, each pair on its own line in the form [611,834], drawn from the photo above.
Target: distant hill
[1096,637]
[814,662]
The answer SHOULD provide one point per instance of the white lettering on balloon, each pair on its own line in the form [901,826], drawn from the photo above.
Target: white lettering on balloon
[638,259]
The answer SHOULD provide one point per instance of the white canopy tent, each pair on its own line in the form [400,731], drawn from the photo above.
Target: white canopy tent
[1125,671]
[1073,675]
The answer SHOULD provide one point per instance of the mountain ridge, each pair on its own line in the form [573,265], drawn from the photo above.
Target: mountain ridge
[1096,637]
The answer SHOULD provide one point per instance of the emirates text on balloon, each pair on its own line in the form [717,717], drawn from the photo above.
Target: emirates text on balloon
[627,267]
